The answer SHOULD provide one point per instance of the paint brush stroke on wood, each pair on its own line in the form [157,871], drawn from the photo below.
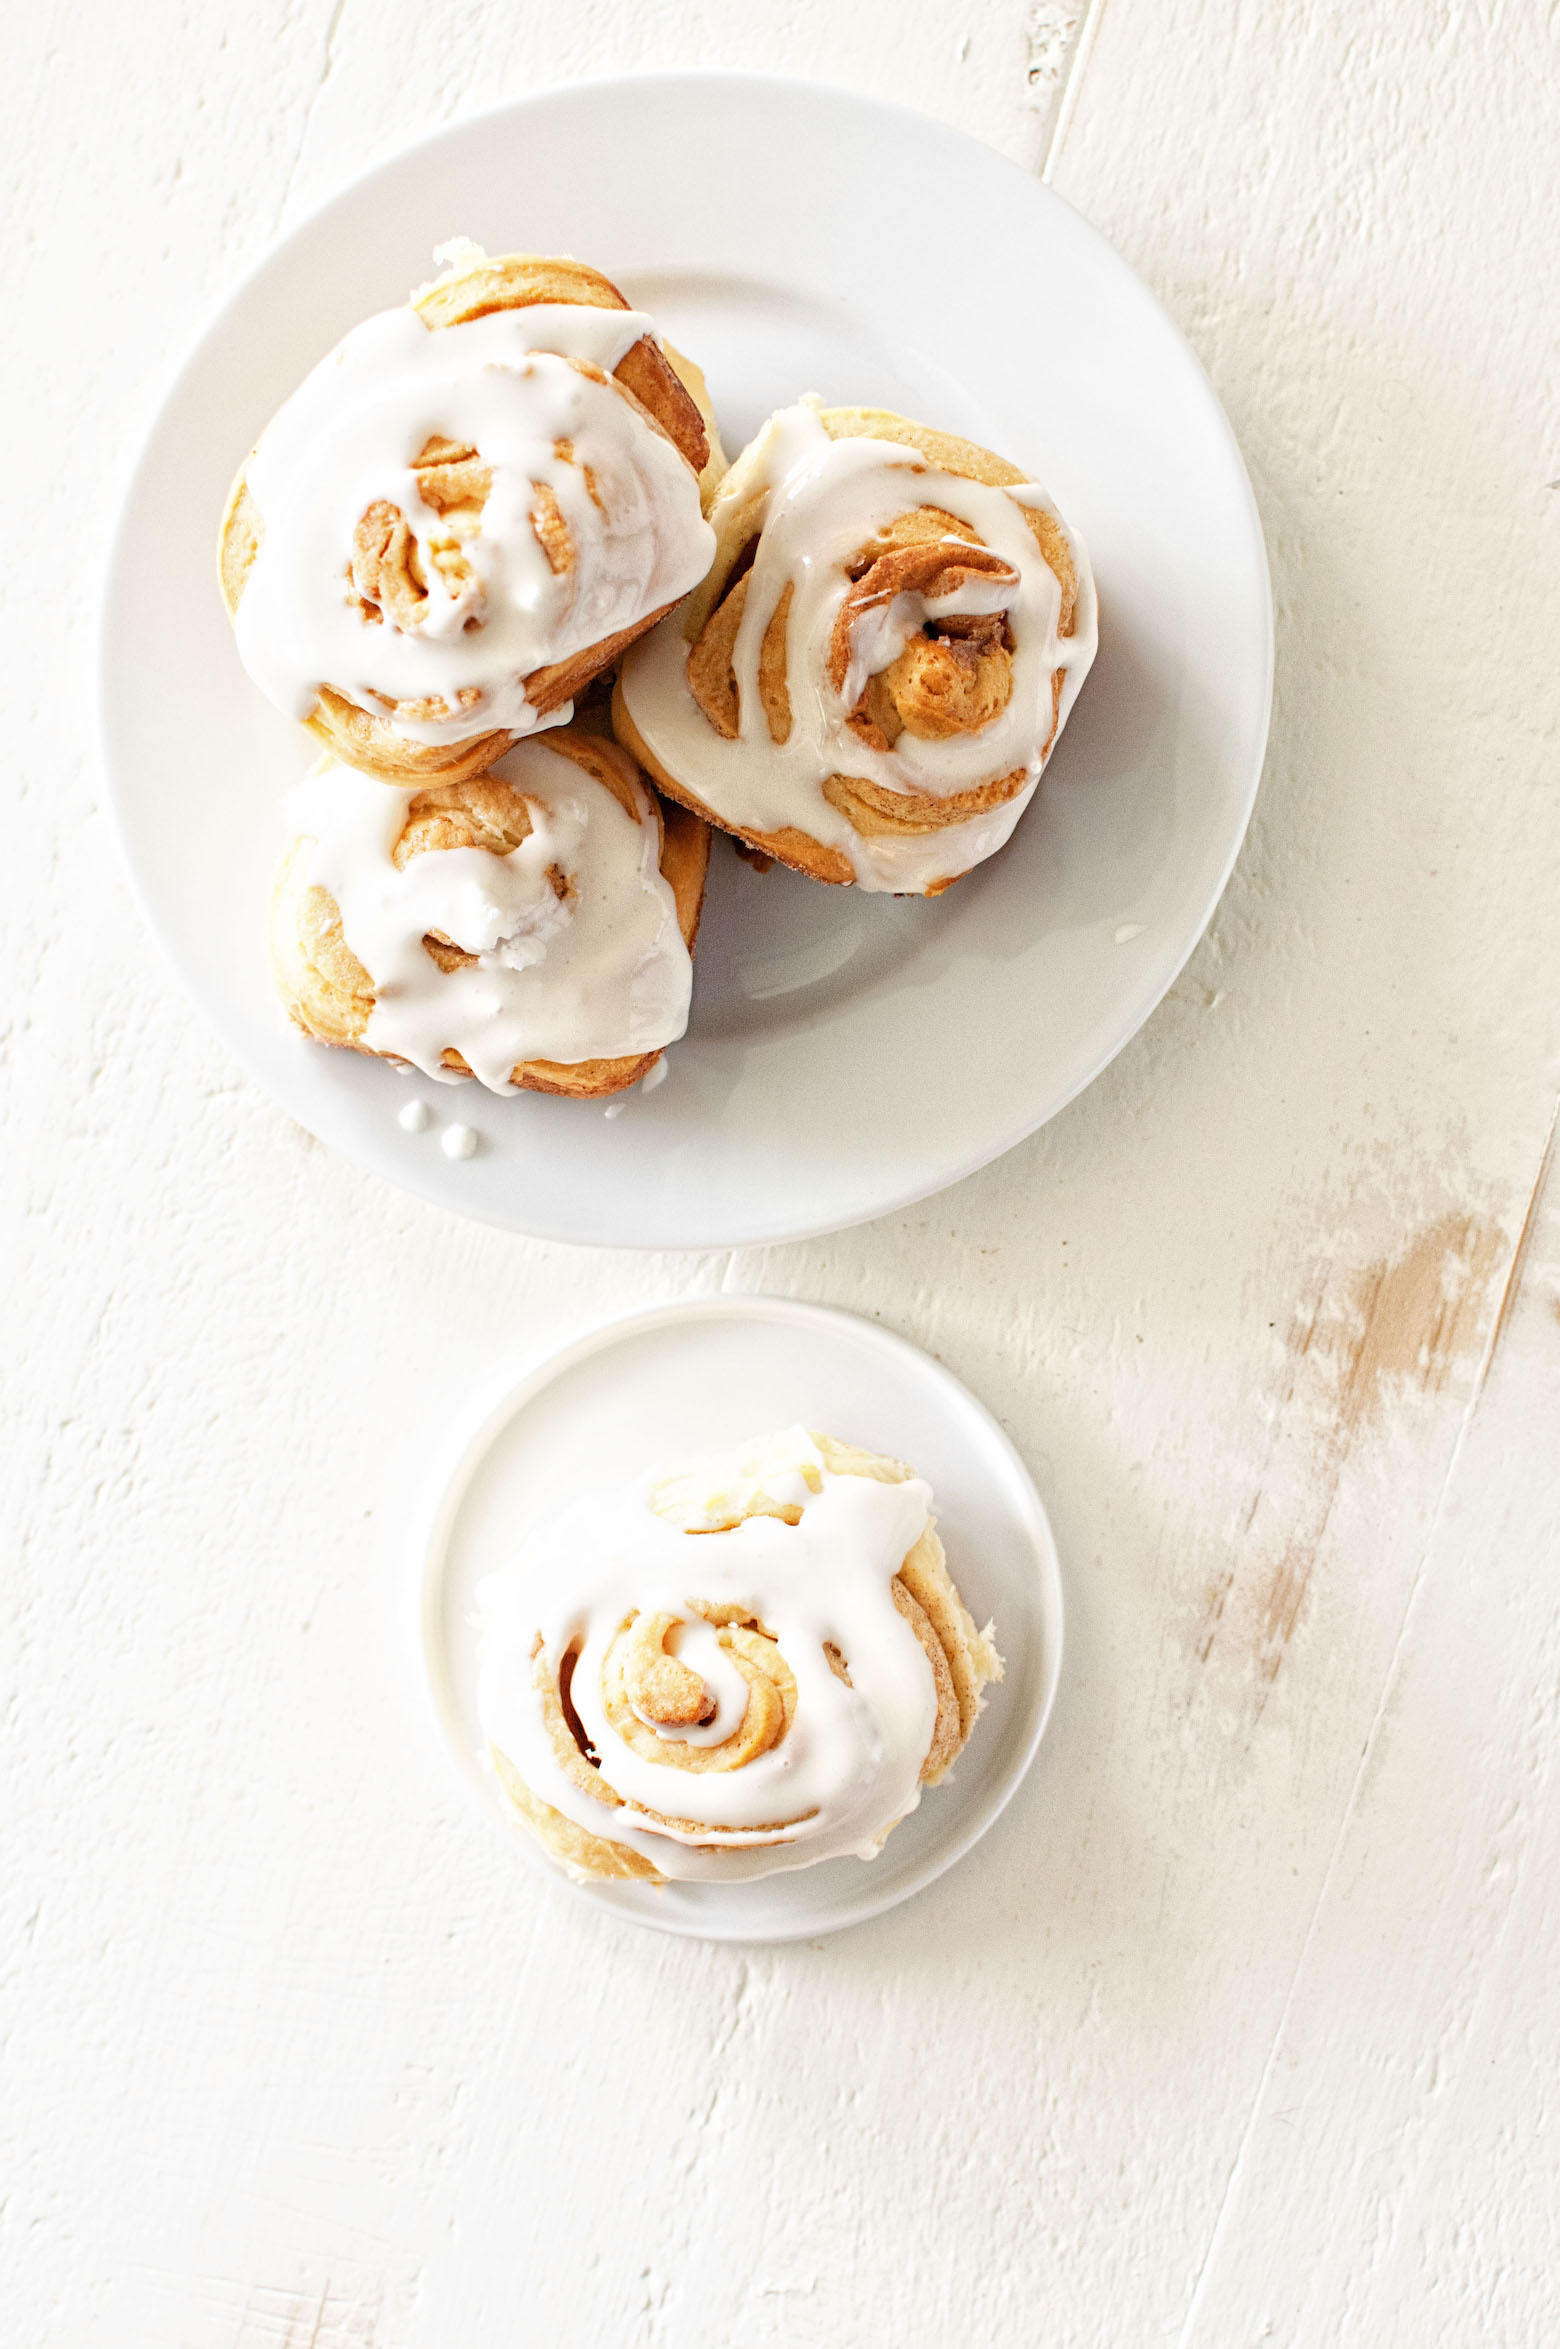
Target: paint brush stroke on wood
[1364,1342]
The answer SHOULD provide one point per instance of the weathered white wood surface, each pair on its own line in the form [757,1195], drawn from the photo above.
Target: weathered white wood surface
[1242,2025]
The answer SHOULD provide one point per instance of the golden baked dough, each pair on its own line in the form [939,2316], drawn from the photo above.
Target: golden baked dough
[330,995]
[716,463]
[651,1699]
[384,564]
[952,681]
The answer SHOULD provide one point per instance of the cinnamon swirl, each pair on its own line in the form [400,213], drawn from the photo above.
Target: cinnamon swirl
[877,666]
[750,1664]
[466,511]
[532,926]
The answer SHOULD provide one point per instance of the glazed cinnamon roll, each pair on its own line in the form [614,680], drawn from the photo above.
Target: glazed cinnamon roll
[532,926]
[471,507]
[877,666]
[750,1664]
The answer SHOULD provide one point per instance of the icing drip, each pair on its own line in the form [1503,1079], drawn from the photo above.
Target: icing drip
[565,451]
[847,1766]
[822,501]
[578,954]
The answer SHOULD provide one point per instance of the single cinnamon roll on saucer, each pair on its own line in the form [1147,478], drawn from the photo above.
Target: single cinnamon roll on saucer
[532,926]
[873,674]
[750,1663]
[465,513]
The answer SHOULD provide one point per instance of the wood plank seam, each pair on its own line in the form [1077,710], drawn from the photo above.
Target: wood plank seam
[1072,83]
[1519,1259]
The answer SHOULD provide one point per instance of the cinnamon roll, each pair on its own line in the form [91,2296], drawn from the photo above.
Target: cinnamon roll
[532,926]
[878,664]
[466,511]
[750,1664]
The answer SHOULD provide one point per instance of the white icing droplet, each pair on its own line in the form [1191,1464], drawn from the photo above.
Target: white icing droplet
[415,1118]
[615,1108]
[458,1141]
[654,1077]
[1128,930]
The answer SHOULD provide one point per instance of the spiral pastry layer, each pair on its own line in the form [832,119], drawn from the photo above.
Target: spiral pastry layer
[471,507]
[874,672]
[749,1665]
[532,926]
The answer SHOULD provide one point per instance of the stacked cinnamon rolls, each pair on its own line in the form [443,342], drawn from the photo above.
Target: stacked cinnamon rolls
[853,650]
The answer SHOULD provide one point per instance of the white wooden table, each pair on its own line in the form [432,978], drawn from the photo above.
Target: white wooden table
[1242,2025]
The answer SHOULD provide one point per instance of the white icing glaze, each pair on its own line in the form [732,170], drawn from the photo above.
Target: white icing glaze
[599,973]
[504,385]
[849,1766]
[459,1141]
[823,500]
[415,1118]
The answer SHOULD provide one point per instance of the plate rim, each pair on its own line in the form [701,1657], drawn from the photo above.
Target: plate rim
[792,88]
[456,1469]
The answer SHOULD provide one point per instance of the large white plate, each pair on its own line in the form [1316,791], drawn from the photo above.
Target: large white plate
[711,1371]
[847,1054]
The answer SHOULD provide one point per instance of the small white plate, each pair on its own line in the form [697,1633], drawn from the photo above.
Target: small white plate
[710,1371]
[847,1054]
